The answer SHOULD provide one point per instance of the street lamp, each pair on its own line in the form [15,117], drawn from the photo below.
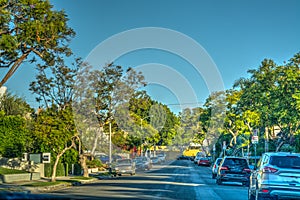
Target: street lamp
[142,133]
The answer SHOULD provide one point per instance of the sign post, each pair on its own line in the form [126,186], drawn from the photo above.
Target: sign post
[254,141]
[224,148]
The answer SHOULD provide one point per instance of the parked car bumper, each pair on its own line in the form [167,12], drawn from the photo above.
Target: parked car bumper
[125,171]
[280,192]
[234,178]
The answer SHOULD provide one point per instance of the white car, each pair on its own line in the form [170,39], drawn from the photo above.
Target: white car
[215,167]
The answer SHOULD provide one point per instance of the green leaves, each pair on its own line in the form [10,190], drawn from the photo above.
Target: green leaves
[32,28]
[14,136]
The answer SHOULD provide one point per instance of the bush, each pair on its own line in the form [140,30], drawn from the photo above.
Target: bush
[94,163]
[77,169]
[60,170]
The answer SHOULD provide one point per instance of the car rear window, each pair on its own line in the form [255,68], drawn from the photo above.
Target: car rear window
[235,161]
[285,161]
[125,161]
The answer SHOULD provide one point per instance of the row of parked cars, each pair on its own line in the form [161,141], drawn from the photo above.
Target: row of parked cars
[130,166]
[275,176]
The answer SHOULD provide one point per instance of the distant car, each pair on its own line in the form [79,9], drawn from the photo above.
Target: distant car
[125,166]
[143,163]
[233,169]
[161,157]
[204,161]
[198,156]
[277,176]
[215,167]
[155,160]
[116,157]
[103,158]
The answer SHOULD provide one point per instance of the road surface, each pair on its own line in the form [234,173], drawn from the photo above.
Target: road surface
[181,179]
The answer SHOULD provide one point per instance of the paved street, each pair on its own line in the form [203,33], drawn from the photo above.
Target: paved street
[179,180]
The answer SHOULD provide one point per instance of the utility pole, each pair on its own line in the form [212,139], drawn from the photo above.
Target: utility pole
[110,149]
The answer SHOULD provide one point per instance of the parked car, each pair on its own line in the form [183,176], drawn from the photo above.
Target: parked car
[233,169]
[198,156]
[204,161]
[143,163]
[155,160]
[116,157]
[277,176]
[125,166]
[104,158]
[161,157]
[215,167]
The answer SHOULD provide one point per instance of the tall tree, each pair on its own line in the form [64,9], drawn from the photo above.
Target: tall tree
[102,96]
[55,127]
[54,131]
[30,29]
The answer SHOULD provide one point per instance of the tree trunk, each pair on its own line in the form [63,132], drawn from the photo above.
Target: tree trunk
[83,159]
[267,139]
[53,177]
[97,135]
[279,146]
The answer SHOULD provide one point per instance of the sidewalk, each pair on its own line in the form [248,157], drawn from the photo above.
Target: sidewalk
[65,181]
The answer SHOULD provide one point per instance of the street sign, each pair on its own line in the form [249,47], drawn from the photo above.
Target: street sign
[254,139]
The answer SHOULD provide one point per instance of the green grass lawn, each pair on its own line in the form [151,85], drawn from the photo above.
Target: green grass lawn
[45,183]
[82,178]
[4,171]
[49,183]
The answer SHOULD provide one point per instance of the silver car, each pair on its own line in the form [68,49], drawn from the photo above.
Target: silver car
[125,166]
[277,176]
[215,167]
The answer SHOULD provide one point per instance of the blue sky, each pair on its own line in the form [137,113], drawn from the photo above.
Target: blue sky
[236,34]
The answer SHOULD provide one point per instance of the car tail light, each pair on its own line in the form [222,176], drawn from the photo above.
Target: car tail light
[270,170]
[224,168]
[214,166]
[247,170]
[265,190]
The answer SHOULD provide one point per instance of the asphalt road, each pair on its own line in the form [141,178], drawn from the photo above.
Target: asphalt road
[179,180]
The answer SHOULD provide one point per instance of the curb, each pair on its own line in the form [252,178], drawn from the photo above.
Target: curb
[60,186]
[41,189]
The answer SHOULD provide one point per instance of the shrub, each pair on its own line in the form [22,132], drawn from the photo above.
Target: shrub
[94,163]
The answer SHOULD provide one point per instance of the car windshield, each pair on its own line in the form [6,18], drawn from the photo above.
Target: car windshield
[235,162]
[285,161]
[124,162]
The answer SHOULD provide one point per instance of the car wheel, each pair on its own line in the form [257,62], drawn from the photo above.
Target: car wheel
[119,174]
